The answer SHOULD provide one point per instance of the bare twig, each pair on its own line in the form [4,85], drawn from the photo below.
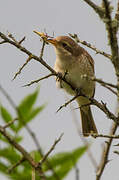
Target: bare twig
[116,152]
[12,37]
[21,48]
[109,86]
[21,68]
[68,102]
[51,149]
[74,36]
[112,37]
[10,123]
[96,8]
[105,136]
[42,49]
[23,39]
[117,12]
[110,89]
[36,81]
[116,19]
[16,165]
[105,154]
[2,42]
[102,106]
[104,83]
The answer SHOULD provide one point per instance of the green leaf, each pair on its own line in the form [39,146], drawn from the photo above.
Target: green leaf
[27,111]
[27,103]
[10,154]
[35,112]
[7,117]
[62,163]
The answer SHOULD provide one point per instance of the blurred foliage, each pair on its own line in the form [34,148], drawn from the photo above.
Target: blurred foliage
[61,163]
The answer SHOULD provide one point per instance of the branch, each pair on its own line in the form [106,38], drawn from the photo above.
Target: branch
[36,81]
[109,86]
[111,36]
[3,42]
[10,123]
[68,102]
[100,81]
[19,72]
[23,49]
[25,154]
[51,149]
[15,165]
[116,20]
[105,154]
[74,36]
[105,136]
[96,8]
[23,39]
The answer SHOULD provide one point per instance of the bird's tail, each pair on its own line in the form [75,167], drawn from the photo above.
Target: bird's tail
[88,124]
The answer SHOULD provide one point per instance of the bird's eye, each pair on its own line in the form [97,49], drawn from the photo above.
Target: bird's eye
[67,47]
[64,45]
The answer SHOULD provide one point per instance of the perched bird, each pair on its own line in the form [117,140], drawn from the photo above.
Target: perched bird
[75,63]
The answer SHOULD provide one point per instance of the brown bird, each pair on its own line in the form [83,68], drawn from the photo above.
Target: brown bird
[76,61]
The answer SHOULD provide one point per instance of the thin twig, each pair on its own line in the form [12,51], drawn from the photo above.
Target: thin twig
[9,123]
[110,89]
[74,36]
[102,106]
[117,17]
[105,136]
[40,60]
[16,165]
[68,102]
[12,37]
[104,83]
[112,37]
[38,80]
[116,152]
[2,42]
[42,49]
[105,154]
[96,8]
[23,39]
[21,68]
[50,150]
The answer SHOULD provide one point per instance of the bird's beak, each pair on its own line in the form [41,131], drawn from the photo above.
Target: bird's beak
[38,33]
[51,41]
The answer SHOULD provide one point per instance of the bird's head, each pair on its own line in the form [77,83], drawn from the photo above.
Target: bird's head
[65,46]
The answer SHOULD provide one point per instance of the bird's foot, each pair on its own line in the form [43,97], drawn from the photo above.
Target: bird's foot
[60,76]
[78,91]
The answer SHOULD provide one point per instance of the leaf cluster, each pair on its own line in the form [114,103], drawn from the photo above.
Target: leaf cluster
[61,163]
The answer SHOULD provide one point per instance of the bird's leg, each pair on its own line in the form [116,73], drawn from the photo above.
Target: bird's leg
[78,91]
[60,76]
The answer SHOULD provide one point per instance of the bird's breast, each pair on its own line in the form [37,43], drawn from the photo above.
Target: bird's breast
[74,73]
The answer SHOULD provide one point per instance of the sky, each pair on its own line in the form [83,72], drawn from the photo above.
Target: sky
[59,17]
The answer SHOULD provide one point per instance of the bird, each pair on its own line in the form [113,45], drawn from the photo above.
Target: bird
[75,64]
